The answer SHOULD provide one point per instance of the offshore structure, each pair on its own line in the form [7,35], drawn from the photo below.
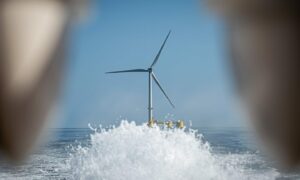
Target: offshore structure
[152,77]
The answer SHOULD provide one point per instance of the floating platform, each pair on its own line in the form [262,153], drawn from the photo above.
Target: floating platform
[169,124]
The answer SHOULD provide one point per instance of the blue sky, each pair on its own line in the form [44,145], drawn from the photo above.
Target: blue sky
[124,34]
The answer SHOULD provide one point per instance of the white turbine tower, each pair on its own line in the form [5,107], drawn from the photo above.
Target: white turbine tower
[152,77]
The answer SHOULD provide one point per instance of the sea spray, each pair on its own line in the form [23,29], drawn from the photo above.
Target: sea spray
[133,152]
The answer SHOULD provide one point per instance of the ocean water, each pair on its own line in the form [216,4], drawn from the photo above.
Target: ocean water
[136,152]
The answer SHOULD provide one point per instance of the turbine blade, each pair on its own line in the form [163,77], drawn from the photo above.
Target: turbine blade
[160,50]
[158,84]
[127,71]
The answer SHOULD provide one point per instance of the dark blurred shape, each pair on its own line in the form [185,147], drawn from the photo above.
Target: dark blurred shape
[264,37]
[32,47]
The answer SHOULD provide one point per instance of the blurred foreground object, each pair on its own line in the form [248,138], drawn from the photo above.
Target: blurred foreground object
[32,45]
[265,47]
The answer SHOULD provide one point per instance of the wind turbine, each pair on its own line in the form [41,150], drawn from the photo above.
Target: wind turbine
[152,77]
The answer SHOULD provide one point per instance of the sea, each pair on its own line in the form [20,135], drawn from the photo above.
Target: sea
[128,151]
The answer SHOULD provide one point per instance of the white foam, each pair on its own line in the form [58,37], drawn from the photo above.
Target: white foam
[133,152]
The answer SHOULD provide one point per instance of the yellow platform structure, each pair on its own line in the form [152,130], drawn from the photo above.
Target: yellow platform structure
[169,124]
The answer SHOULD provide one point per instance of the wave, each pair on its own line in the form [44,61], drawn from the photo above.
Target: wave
[136,152]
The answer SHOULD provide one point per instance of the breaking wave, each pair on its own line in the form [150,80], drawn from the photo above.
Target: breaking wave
[134,152]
